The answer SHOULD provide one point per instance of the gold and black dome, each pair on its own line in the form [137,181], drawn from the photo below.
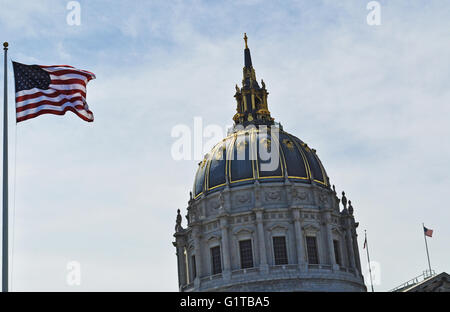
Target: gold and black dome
[239,160]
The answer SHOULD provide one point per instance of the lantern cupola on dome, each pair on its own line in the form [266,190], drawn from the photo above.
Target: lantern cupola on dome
[251,98]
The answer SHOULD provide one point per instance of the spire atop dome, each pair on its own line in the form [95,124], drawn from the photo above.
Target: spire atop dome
[251,98]
[247,56]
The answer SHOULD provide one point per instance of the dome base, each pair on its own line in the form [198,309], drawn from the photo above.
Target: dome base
[279,279]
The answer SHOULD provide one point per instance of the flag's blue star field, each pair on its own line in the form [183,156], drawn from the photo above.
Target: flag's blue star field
[30,76]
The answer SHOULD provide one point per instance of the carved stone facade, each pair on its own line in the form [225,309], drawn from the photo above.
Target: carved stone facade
[284,210]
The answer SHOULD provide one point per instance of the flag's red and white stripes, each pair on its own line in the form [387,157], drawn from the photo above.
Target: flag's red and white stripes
[428,232]
[66,92]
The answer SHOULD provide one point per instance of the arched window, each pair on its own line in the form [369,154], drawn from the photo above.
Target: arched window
[280,250]
[216,262]
[337,251]
[244,240]
[337,246]
[246,253]
[312,241]
[311,247]
[280,238]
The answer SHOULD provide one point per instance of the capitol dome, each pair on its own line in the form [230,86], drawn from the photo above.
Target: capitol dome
[297,161]
[262,215]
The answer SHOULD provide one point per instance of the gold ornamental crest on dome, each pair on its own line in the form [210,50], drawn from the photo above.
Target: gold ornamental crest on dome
[265,142]
[203,163]
[306,147]
[218,155]
[241,145]
[289,144]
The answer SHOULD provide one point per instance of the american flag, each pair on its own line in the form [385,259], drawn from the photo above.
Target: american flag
[428,232]
[52,89]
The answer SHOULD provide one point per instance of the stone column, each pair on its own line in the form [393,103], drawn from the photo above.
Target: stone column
[299,239]
[225,248]
[350,249]
[330,240]
[182,276]
[261,240]
[356,250]
[198,256]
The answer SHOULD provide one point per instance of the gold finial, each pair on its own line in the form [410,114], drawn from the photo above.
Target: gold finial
[245,39]
[5,45]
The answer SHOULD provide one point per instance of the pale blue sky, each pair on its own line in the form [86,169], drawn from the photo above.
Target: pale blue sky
[373,100]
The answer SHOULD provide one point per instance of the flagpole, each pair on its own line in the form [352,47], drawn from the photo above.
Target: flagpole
[426,246]
[368,259]
[5,253]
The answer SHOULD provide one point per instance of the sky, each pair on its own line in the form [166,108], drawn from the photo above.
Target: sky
[373,100]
